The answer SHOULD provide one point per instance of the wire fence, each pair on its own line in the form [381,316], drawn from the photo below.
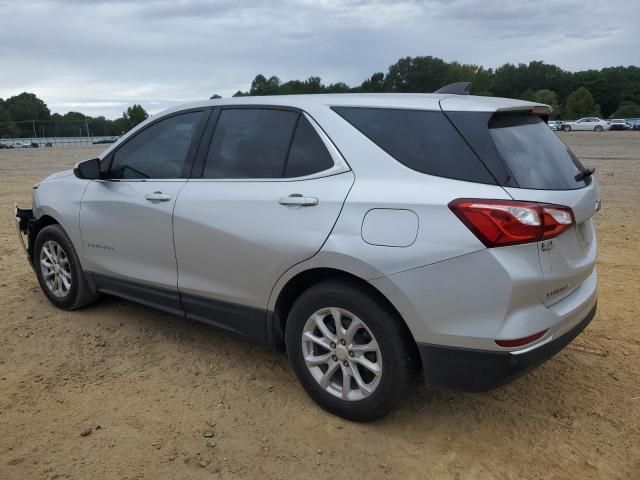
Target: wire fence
[21,142]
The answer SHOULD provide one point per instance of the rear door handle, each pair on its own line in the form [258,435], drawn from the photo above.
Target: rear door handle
[297,200]
[157,197]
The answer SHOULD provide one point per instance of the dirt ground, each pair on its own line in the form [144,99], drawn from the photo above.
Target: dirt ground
[153,388]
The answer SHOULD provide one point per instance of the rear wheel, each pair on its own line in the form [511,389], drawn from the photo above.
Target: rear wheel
[58,270]
[349,351]
[598,128]
[566,128]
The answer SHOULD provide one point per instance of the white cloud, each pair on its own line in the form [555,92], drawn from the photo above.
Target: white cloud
[98,56]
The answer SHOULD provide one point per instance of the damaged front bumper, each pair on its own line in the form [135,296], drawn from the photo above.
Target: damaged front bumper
[24,219]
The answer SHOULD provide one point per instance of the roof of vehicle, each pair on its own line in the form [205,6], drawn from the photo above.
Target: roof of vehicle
[421,101]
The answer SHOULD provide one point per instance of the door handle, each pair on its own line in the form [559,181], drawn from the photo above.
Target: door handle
[297,200]
[157,197]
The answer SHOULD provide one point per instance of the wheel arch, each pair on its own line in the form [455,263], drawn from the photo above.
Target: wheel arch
[304,280]
[34,229]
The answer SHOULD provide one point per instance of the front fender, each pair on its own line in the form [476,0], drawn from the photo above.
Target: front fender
[59,197]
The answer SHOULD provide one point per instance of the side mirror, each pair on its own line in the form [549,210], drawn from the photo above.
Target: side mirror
[88,170]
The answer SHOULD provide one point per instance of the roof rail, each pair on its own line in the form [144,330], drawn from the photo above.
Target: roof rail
[458,88]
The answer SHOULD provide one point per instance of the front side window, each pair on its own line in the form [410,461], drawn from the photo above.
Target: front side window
[159,151]
[264,143]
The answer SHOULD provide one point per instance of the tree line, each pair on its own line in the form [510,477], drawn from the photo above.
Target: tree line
[612,92]
[609,92]
[26,115]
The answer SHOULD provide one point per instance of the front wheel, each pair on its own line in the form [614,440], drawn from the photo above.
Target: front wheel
[566,128]
[58,270]
[598,128]
[349,350]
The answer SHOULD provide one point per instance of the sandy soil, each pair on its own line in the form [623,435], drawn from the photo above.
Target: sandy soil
[153,388]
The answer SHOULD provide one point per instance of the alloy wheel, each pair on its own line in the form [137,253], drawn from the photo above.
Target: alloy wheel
[55,268]
[341,354]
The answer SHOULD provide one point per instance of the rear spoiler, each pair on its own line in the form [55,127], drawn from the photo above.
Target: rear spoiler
[458,88]
[464,88]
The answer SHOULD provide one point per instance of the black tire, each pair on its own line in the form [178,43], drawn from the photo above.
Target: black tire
[566,128]
[79,293]
[396,348]
[598,128]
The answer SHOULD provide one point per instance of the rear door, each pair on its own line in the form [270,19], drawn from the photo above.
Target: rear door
[271,188]
[545,170]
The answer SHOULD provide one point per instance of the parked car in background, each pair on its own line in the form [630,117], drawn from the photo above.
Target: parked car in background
[593,124]
[99,141]
[20,145]
[263,215]
[554,124]
[619,124]
[634,123]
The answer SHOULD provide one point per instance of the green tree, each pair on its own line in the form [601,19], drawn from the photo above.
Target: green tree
[627,109]
[101,126]
[24,109]
[581,104]
[135,114]
[8,129]
[27,106]
[375,84]
[263,86]
[121,125]
[545,96]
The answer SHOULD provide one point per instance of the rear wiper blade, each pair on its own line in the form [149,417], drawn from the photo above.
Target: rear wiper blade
[584,173]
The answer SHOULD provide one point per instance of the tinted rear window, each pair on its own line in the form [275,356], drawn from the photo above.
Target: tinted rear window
[421,140]
[535,155]
[308,154]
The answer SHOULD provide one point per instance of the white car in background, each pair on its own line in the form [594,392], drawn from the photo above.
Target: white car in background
[593,124]
[554,125]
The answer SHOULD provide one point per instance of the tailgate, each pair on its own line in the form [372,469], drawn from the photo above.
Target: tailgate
[566,260]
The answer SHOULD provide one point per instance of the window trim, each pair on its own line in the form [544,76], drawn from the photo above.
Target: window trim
[339,163]
[191,152]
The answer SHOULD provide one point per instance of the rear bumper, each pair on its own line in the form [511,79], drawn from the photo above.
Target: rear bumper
[480,370]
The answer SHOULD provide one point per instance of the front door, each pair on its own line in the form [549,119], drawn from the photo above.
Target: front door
[125,218]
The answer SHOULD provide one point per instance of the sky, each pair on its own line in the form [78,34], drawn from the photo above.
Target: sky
[98,57]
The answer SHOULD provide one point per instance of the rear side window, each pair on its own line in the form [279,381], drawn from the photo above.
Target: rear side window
[264,143]
[308,153]
[250,143]
[535,155]
[421,140]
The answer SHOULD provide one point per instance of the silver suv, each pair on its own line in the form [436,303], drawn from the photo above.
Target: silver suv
[368,235]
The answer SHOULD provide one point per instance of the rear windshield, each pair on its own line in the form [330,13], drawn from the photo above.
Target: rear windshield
[535,156]
[422,140]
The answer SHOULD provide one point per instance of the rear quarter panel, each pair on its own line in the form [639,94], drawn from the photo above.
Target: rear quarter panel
[383,183]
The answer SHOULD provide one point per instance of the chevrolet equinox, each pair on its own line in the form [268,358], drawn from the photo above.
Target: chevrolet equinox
[368,235]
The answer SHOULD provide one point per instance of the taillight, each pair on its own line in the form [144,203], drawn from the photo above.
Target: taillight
[499,223]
